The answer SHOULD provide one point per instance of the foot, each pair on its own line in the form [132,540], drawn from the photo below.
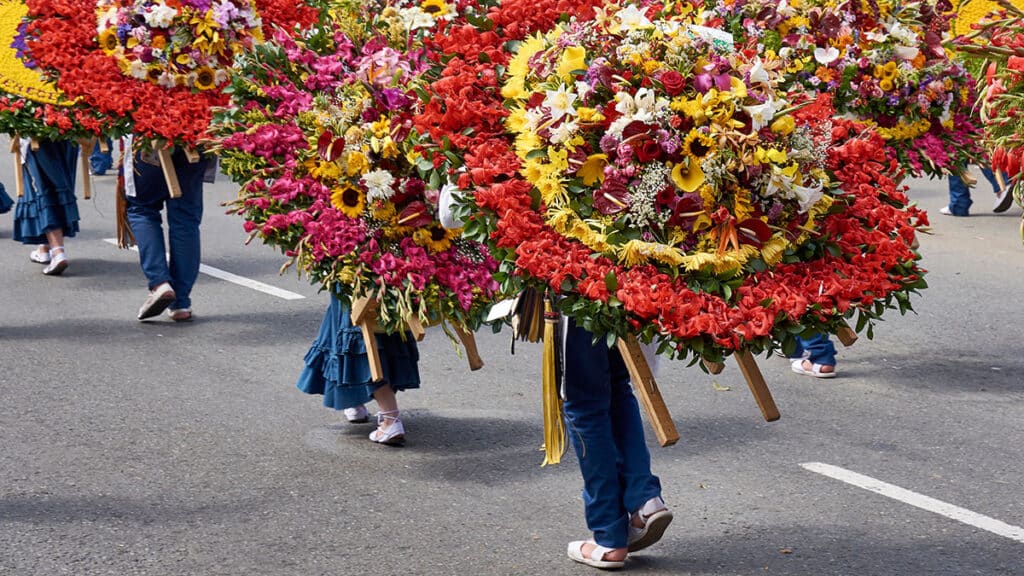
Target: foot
[1004,199]
[389,429]
[180,314]
[947,212]
[40,255]
[808,368]
[593,554]
[58,262]
[357,415]
[647,525]
[158,301]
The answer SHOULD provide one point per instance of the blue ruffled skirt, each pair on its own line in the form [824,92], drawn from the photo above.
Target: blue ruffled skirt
[338,368]
[49,201]
[5,201]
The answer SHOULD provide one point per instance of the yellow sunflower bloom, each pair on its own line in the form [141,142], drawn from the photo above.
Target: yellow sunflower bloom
[351,201]
[434,238]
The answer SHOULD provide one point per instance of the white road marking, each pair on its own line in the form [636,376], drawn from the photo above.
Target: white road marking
[236,279]
[919,500]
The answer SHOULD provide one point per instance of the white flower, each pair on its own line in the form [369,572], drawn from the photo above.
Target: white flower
[137,70]
[415,17]
[560,102]
[758,75]
[563,132]
[807,196]
[631,18]
[378,184]
[160,16]
[906,52]
[761,114]
[826,56]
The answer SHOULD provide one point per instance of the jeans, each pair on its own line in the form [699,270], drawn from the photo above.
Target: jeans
[960,195]
[819,348]
[99,161]
[603,419]
[183,217]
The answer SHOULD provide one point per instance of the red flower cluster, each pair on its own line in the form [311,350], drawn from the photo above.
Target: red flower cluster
[62,40]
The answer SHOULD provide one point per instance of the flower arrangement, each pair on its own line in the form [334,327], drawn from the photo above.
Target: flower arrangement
[882,62]
[654,142]
[320,139]
[857,261]
[29,106]
[160,110]
[998,43]
[177,42]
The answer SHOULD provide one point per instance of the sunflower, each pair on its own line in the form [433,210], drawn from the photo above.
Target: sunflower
[698,144]
[434,237]
[349,200]
[205,78]
[108,41]
[435,8]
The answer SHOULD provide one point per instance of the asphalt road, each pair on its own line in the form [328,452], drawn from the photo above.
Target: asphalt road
[162,449]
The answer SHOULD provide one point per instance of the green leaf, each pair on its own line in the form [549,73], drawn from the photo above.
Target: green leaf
[610,282]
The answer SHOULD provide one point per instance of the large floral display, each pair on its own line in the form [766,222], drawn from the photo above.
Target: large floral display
[157,64]
[662,183]
[321,140]
[997,42]
[882,62]
[30,106]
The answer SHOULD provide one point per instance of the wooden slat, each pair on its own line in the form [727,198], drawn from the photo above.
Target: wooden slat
[713,367]
[19,175]
[364,315]
[757,385]
[170,175]
[647,391]
[416,327]
[846,335]
[469,343]
[86,146]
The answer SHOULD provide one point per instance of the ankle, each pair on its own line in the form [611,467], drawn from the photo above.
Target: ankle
[56,250]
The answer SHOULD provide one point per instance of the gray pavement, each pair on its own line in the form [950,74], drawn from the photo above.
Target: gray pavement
[161,449]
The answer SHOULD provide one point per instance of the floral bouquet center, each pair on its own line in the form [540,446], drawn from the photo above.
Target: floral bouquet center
[171,43]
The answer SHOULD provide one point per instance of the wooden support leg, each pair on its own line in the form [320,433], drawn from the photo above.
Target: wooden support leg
[755,380]
[19,176]
[647,391]
[416,327]
[469,343]
[170,175]
[713,367]
[846,335]
[86,146]
[364,315]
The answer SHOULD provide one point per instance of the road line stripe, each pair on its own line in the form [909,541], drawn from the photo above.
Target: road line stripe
[236,279]
[918,500]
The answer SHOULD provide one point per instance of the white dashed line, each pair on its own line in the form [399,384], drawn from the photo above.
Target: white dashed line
[919,500]
[236,279]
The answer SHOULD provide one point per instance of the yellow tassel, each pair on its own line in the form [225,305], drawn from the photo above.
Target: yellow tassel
[554,426]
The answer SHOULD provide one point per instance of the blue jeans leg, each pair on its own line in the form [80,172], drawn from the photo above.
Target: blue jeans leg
[959,196]
[607,434]
[820,348]
[183,217]
[146,222]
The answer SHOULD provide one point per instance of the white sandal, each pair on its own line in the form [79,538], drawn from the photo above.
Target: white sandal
[357,414]
[656,518]
[393,434]
[814,372]
[596,558]
[40,257]
[58,262]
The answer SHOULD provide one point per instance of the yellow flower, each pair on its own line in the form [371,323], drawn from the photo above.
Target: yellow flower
[574,58]
[784,125]
[589,115]
[356,163]
[434,237]
[349,200]
[769,155]
[692,108]
[519,67]
[688,176]
[739,89]
[383,211]
[697,144]
[885,84]
[381,128]
[328,172]
[552,191]
[205,78]
[108,41]
[651,66]
[434,7]
[592,170]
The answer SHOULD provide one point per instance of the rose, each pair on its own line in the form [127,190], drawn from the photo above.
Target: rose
[672,82]
[646,148]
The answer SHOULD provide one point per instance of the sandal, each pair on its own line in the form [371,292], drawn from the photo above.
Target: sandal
[393,434]
[357,414]
[58,262]
[596,558]
[40,257]
[180,314]
[815,371]
[655,523]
